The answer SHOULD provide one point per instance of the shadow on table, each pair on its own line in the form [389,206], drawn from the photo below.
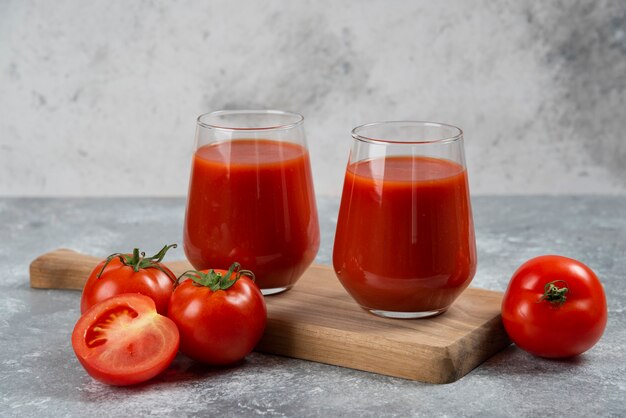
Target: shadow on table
[184,369]
[181,371]
[514,361]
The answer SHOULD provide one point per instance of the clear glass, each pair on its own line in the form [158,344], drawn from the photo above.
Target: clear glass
[251,197]
[405,246]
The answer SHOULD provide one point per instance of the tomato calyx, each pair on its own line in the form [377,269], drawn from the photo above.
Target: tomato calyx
[138,260]
[215,280]
[554,294]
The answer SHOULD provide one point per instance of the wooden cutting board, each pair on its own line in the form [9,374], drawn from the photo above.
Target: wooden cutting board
[317,320]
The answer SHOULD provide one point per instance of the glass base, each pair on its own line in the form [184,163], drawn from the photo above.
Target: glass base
[406,315]
[274,290]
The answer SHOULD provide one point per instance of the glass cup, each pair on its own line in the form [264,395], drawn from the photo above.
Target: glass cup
[405,245]
[251,197]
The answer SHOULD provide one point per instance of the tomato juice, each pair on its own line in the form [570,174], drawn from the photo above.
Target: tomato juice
[251,201]
[405,236]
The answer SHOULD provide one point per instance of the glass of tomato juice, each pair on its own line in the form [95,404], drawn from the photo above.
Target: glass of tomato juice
[251,197]
[405,245]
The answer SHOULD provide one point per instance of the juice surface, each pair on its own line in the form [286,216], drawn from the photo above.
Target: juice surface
[405,237]
[252,201]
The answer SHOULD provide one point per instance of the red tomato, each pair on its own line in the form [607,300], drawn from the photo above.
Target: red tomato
[123,340]
[130,273]
[220,314]
[554,307]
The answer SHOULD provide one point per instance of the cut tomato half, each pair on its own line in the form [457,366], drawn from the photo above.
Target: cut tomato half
[123,340]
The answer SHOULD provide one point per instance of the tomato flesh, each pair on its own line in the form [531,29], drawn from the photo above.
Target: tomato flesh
[123,340]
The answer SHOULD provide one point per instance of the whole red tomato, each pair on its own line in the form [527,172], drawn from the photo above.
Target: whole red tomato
[122,340]
[130,273]
[554,307]
[220,315]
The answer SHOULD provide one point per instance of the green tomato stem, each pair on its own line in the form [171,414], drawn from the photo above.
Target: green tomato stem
[554,294]
[213,280]
[139,261]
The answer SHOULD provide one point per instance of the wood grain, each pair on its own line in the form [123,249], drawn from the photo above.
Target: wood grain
[318,321]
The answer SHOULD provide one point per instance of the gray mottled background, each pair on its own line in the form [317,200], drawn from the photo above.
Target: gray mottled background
[100,97]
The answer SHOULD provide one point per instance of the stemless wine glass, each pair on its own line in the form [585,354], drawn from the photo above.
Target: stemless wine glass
[251,197]
[405,245]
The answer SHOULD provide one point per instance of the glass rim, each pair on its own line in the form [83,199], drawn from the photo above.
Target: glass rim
[298,119]
[443,140]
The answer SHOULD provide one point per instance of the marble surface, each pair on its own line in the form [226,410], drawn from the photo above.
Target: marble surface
[39,375]
[105,94]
